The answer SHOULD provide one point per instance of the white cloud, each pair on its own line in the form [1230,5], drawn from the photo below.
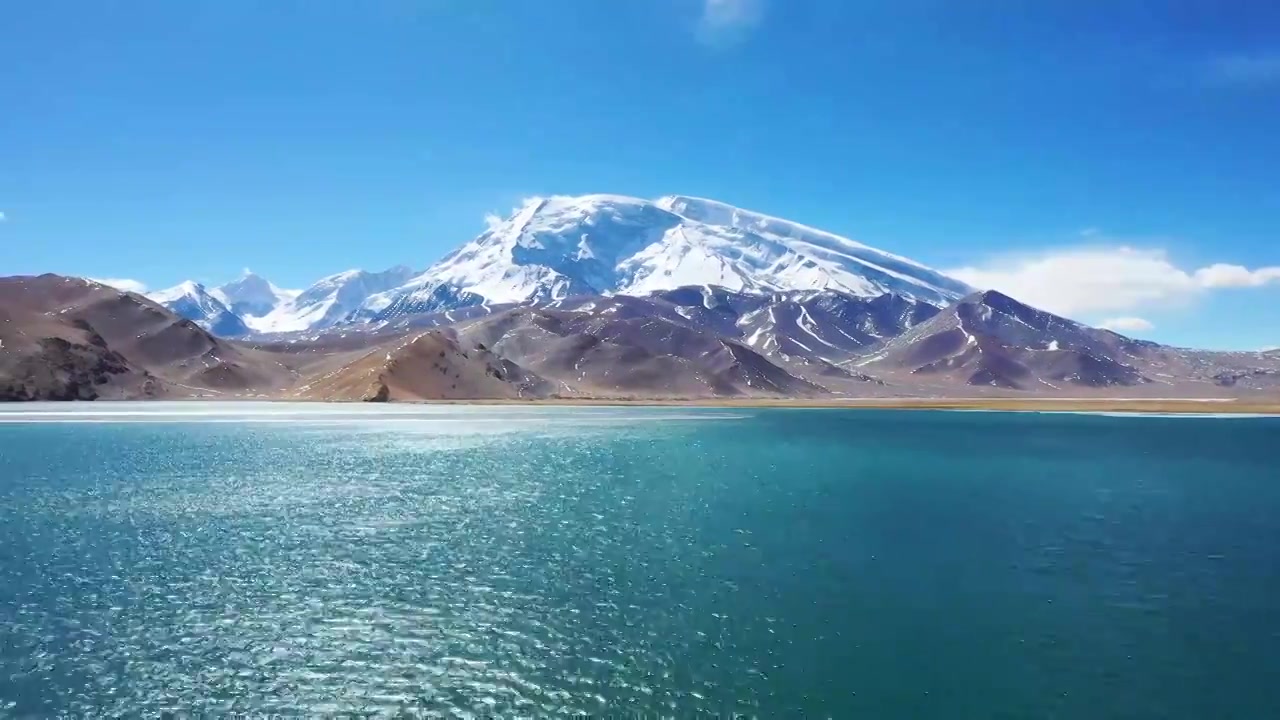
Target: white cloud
[1248,69]
[3,217]
[1221,275]
[1100,279]
[728,20]
[492,220]
[134,286]
[1127,324]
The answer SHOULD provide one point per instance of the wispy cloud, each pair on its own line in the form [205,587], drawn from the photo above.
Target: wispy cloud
[493,221]
[728,21]
[1245,69]
[1127,324]
[1100,278]
[126,284]
[3,217]
[1221,275]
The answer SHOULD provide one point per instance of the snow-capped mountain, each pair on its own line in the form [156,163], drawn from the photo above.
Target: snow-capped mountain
[329,301]
[252,295]
[558,247]
[562,247]
[326,303]
[194,302]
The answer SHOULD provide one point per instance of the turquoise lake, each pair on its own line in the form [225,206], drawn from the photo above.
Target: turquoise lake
[534,562]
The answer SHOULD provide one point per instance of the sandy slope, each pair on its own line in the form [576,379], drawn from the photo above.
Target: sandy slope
[425,365]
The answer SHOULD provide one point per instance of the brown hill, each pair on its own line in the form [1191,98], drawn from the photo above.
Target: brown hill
[431,365]
[616,354]
[993,343]
[68,338]
[989,339]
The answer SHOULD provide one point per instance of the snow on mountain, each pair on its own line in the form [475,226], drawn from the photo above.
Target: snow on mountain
[252,295]
[194,302]
[817,324]
[990,339]
[561,247]
[329,301]
[557,247]
[252,305]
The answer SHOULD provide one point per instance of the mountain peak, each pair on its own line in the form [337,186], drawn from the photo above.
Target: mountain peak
[186,288]
[558,246]
[252,295]
[712,212]
[249,282]
[994,299]
[191,300]
[989,338]
[330,300]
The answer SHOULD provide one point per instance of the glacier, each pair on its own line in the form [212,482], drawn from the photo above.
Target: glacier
[561,246]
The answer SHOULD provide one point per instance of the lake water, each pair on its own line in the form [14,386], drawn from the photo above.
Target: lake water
[532,562]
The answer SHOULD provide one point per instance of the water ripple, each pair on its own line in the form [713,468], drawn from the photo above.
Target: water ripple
[788,565]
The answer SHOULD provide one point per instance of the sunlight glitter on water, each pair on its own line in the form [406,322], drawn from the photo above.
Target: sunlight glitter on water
[785,564]
[441,419]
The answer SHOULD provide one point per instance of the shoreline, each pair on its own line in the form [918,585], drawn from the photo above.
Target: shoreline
[1188,406]
[1119,405]
[1209,405]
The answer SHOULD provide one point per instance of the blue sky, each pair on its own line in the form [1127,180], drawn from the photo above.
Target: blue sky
[1109,159]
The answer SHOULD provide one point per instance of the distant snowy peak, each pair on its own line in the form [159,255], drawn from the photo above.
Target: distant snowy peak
[194,302]
[188,290]
[329,301]
[252,295]
[252,305]
[354,283]
[557,247]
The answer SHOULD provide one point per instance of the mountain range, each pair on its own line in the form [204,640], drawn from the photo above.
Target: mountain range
[593,296]
[554,248]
